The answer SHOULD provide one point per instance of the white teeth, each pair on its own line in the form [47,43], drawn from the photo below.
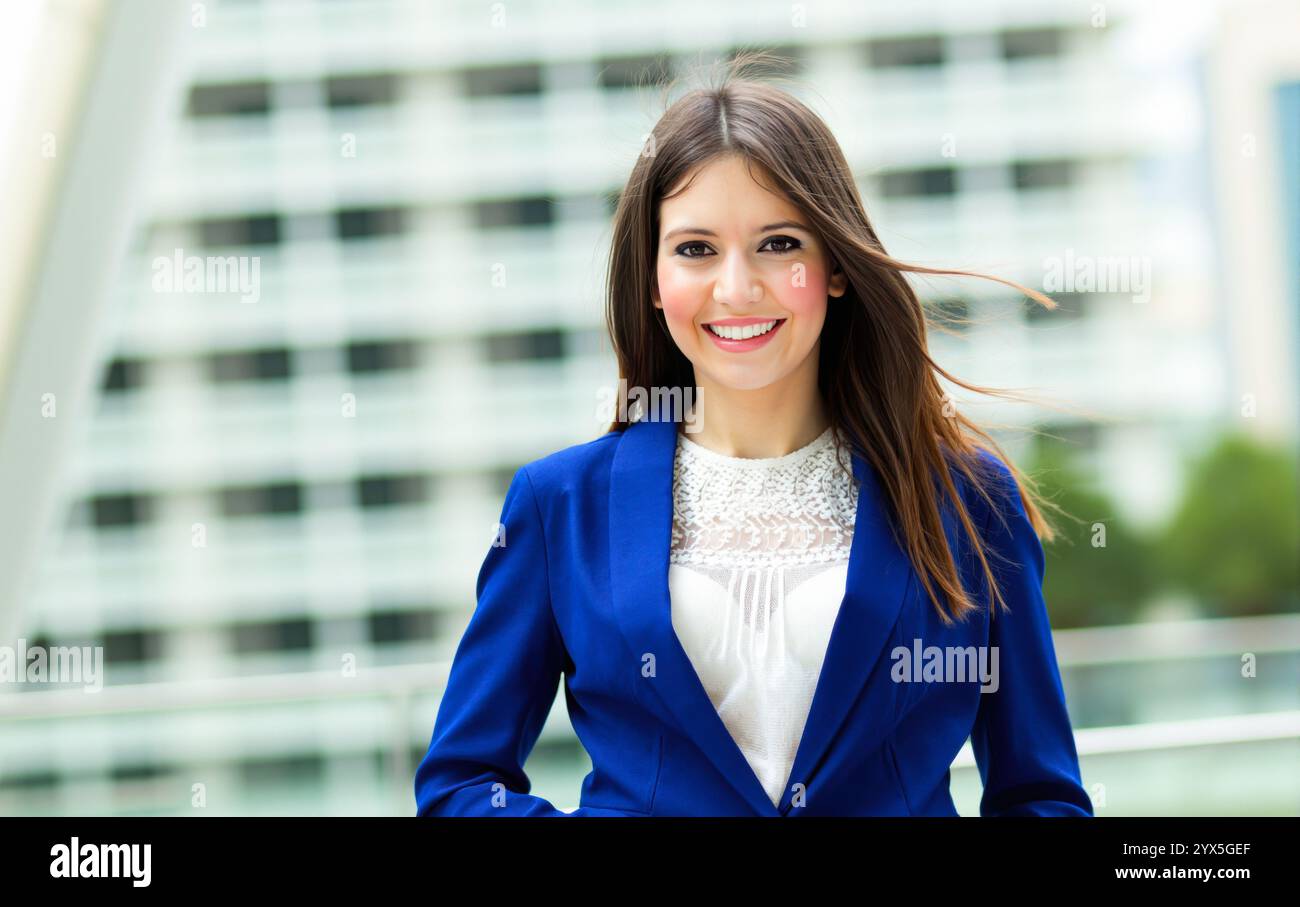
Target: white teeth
[749,330]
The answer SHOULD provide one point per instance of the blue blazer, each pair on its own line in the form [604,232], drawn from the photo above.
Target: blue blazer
[580,589]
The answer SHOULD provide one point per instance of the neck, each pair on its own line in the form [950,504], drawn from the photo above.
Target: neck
[755,424]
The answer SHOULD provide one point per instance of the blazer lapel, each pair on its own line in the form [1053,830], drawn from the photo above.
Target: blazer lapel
[879,577]
[640,526]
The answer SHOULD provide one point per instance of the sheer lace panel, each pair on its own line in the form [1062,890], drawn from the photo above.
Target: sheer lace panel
[796,509]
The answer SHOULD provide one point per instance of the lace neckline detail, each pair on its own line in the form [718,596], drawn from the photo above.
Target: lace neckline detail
[795,509]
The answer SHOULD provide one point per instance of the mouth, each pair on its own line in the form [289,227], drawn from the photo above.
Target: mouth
[740,338]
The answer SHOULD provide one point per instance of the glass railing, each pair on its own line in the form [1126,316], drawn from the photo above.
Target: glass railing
[1191,751]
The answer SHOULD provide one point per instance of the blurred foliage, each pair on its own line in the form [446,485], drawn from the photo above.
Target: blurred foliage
[1234,540]
[1099,570]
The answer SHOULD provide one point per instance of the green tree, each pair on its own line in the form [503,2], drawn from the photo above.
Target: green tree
[1234,540]
[1099,569]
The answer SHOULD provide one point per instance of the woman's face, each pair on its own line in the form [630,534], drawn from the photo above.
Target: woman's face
[737,256]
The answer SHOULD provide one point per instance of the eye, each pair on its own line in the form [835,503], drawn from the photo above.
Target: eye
[690,245]
[793,243]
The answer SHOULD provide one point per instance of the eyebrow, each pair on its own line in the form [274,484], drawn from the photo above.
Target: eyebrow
[781,224]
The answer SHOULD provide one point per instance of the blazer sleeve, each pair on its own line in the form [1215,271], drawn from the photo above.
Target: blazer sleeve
[502,681]
[1022,739]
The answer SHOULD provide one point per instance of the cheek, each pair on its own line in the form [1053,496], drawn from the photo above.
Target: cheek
[680,296]
[808,299]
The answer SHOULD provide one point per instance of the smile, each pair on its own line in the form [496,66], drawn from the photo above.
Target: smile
[740,338]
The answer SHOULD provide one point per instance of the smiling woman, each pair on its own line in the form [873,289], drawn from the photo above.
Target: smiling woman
[772,297]
[722,606]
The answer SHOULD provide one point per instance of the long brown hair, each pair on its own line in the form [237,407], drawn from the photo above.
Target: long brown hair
[875,373]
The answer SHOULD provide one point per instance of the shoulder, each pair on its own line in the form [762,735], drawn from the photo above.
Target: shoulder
[995,492]
[571,468]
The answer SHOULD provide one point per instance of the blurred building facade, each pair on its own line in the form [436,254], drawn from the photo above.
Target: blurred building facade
[308,481]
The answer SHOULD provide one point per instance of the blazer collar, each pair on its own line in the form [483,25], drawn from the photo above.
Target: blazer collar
[879,576]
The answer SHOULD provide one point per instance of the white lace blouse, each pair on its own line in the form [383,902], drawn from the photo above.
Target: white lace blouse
[757,572]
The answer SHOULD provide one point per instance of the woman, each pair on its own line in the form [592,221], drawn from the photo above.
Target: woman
[793,612]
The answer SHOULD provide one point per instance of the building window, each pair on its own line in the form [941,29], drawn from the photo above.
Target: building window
[364,223]
[1069,306]
[253,230]
[37,779]
[515,212]
[788,58]
[278,771]
[525,79]
[270,364]
[525,346]
[360,91]
[398,627]
[369,356]
[391,490]
[132,646]
[950,313]
[501,478]
[263,637]
[888,53]
[1045,174]
[611,201]
[1031,42]
[233,99]
[261,500]
[113,510]
[633,72]
[138,771]
[123,375]
[918,182]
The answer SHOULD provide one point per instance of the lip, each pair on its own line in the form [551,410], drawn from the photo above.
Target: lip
[743,346]
[741,322]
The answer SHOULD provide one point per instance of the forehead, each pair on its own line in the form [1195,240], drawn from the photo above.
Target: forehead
[729,179]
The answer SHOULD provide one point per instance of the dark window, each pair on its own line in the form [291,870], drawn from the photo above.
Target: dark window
[137,771]
[274,771]
[271,364]
[525,346]
[294,635]
[391,491]
[887,53]
[1048,174]
[37,778]
[234,99]
[950,313]
[123,375]
[515,212]
[524,79]
[1069,306]
[633,72]
[132,646]
[380,356]
[361,223]
[261,500]
[788,57]
[119,509]
[501,479]
[922,181]
[1031,42]
[390,627]
[254,230]
[360,91]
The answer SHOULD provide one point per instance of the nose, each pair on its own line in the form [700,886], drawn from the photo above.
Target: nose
[735,284]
